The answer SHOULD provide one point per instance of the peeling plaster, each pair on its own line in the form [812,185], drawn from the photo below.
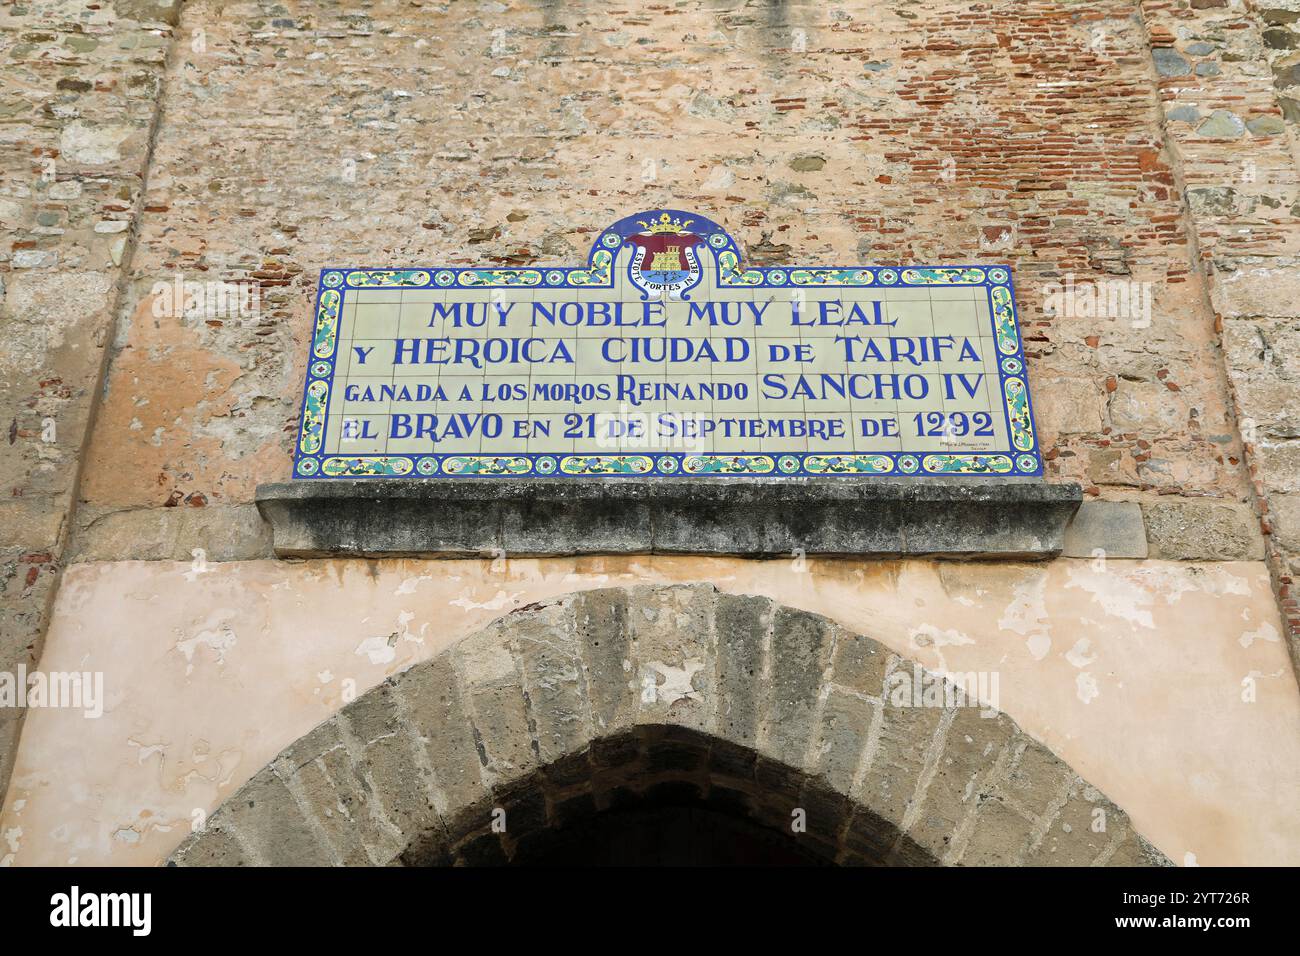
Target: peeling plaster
[1079,655]
[1086,687]
[218,637]
[1116,593]
[1027,615]
[928,636]
[1265,632]
[677,682]
[378,649]
[499,601]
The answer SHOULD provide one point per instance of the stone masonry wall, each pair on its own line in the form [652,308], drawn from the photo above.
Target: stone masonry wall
[1055,137]
[77,117]
[1236,141]
[472,134]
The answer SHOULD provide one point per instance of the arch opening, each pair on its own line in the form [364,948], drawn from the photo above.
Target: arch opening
[668,795]
[558,720]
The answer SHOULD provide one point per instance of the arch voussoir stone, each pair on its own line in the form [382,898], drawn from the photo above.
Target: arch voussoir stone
[799,653]
[441,722]
[893,769]
[968,752]
[389,765]
[601,627]
[672,643]
[319,770]
[615,697]
[742,626]
[554,682]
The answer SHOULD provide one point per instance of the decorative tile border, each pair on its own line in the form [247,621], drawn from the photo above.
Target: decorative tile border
[1022,460]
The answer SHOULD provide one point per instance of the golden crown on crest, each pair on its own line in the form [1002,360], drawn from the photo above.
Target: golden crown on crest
[665,225]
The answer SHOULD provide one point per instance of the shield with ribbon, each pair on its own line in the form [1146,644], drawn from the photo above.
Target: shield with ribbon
[665,260]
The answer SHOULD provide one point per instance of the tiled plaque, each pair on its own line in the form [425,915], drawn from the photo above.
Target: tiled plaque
[666,355]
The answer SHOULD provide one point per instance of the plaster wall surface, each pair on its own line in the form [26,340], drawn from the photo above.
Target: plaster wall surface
[1131,671]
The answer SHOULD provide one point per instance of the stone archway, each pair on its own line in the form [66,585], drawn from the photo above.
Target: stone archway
[611,697]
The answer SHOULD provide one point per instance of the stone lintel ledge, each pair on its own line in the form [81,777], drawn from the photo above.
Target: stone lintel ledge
[748,517]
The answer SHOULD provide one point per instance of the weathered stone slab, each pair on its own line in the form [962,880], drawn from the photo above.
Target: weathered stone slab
[859,664]
[1113,528]
[891,780]
[439,719]
[1080,830]
[334,794]
[234,533]
[846,723]
[755,517]
[1203,531]
[961,780]
[400,785]
[493,693]
[554,683]
[998,838]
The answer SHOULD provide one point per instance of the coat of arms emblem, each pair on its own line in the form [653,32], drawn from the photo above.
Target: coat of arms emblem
[664,262]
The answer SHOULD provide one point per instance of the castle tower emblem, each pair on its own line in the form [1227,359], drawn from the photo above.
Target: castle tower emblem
[665,261]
